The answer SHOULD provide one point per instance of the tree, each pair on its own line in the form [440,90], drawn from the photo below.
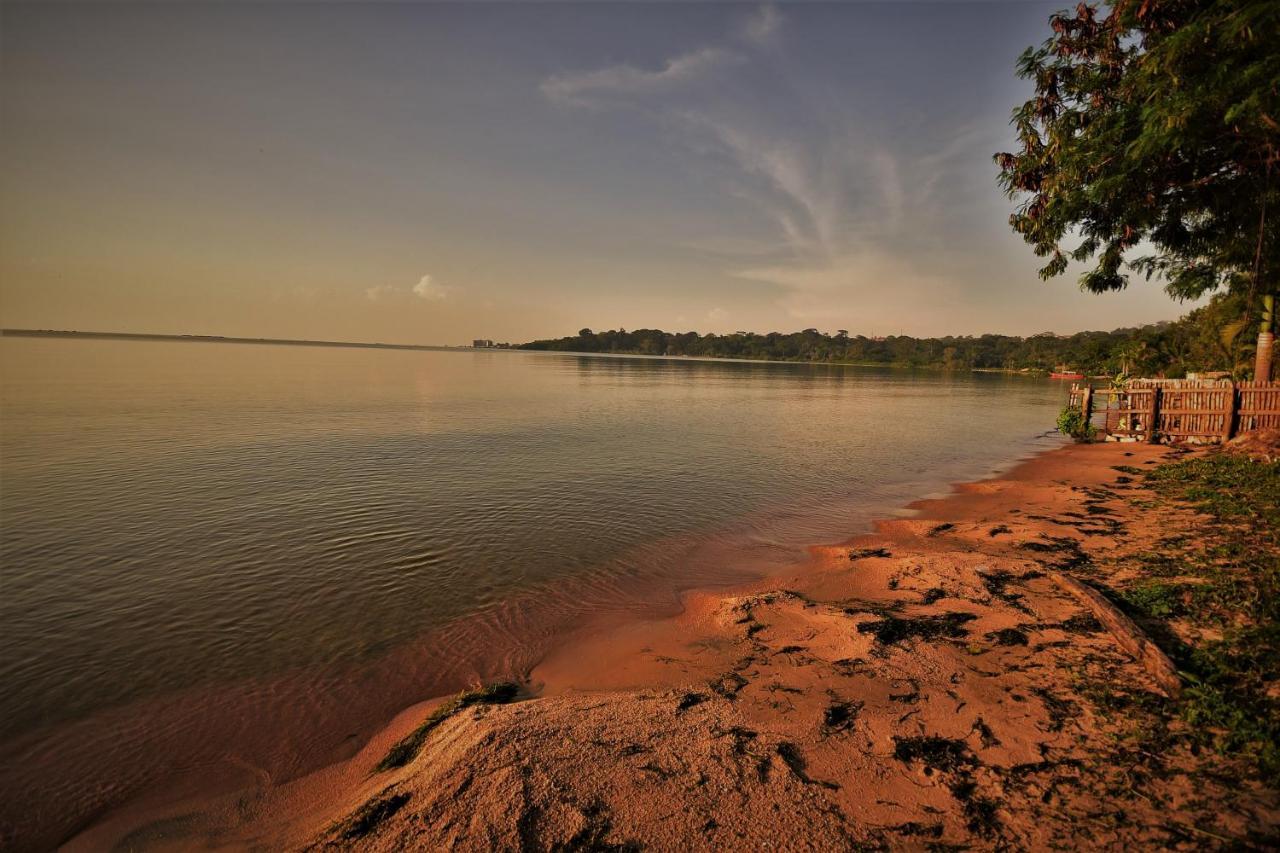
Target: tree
[1156,127]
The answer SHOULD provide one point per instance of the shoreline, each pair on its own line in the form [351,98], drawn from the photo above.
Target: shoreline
[818,693]
[133,759]
[71,334]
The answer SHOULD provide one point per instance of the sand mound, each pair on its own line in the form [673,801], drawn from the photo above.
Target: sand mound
[1263,444]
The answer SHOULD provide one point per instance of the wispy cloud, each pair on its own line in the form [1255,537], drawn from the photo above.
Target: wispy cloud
[839,200]
[427,288]
[602,86]
[430,289]
[761,27]
[589,88]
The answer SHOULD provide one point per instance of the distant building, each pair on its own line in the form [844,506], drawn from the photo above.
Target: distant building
[481,343]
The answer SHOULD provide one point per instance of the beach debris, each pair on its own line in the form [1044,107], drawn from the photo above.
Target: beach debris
[1081,623]
[792,757]
[988,737]
[840,715]
[852,666]
[597,824]
[1007,637]
[915,829]
[407,748]
[863,553]
[954,758]
[941,528]
[997,583]
[998,530]
[1128,635]
[935,753]
[741,737]
[1052,544]
[933,595]
[894,629]
[980,811]
[728,685]
[366,819]
[688,700]
[1059,710]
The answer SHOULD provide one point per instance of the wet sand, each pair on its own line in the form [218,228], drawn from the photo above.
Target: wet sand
[926,683]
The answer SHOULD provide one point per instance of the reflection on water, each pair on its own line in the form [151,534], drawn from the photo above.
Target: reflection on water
[204,542]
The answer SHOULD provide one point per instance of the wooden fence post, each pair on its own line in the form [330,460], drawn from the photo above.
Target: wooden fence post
[1229,414]
[1086,405]
[1153,413]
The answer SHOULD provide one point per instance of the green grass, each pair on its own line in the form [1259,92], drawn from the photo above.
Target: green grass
[1229,702]
[408,747]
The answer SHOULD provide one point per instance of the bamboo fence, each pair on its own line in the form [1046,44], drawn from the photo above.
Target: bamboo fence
[1177,410]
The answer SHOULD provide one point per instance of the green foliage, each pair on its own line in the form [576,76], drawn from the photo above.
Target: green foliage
[1192,343]
[1071,423]
[1154,125]
[1160,599]
[1230,584]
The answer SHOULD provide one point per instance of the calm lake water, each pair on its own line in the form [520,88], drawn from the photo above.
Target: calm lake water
[222,560]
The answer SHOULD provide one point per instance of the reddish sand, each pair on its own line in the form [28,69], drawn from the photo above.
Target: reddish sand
[923,684]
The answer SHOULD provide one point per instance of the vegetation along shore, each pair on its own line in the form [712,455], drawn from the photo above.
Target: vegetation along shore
[1194,343]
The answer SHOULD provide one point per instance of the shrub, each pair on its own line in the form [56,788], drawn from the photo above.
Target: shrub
[1071,423]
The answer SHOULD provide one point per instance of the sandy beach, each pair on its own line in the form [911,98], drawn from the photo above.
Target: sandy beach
[934,682]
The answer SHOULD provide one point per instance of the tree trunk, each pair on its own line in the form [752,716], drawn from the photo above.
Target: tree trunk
[1266,341]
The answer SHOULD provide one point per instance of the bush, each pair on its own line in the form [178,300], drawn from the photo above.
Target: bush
[1071,423]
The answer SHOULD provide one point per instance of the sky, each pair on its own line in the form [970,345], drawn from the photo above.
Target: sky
[433,173]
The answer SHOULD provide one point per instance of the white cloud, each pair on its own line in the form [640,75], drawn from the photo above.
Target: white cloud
[761,26]
[851,286]
[598,87]
[589,87]
[427,288]
[431,290]
[849,213]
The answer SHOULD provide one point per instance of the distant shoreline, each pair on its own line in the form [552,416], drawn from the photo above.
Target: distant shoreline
[223,339]
[215,339]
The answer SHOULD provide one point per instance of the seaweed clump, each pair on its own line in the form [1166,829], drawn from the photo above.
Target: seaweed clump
[367,818]
[688,700]
[840,715]
[894,629]
[408,747]
[791,756]
[1008,637]
[954,758]
[943,754]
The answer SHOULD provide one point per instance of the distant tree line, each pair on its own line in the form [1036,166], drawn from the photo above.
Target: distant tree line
[1192,343]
